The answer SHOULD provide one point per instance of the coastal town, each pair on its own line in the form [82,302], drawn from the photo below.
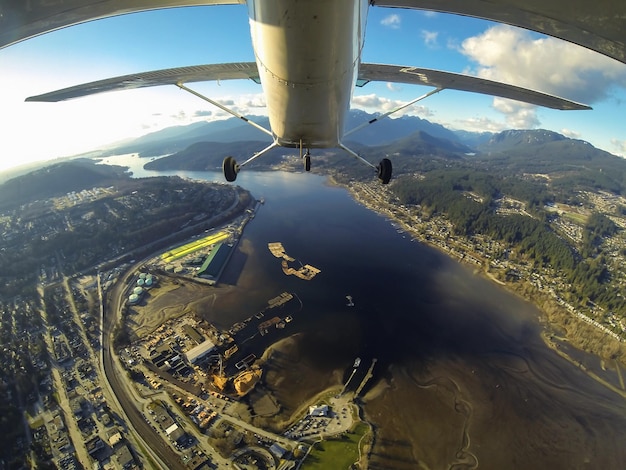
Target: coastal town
[497,260]
[125,384]
[123,377]
[177,377]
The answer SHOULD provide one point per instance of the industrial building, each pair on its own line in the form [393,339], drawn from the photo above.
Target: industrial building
[193,334]
[189,248]
[277,450]
[196,354]
[175,432]
[215,262]
[124,457]
[135,297]
[319,411]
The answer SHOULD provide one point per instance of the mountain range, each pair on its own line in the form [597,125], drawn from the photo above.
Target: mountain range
[388,136]
[413,144]
[401,135]
[233,130]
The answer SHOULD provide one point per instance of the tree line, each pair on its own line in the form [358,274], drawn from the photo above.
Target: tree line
[584,266]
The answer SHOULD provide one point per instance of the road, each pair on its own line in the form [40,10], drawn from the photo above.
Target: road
[118,386]
[282,440]
[161,243]
[64,404]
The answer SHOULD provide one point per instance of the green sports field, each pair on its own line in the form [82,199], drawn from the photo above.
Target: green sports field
[340,452]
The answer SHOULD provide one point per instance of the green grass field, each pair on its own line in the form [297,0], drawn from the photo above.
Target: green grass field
[336,453]
[576,217]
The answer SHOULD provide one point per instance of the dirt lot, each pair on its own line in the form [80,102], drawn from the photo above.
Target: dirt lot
[171,298]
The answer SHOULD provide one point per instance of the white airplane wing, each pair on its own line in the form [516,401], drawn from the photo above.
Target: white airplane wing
[455,81]
[599,25]
[196,73]
[23,19]
[367,73]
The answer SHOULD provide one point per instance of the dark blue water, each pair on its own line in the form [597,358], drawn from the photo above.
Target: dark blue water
[412,302]
[417,311]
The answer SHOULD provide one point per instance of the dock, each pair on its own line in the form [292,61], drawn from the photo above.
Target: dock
[368,376]
[343,390]
[306,272]
[277,249]
[355,367]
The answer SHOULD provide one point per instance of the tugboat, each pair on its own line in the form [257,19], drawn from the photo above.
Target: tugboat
[350,302]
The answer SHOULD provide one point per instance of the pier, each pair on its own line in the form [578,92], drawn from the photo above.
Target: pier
[368,376]
[343,390]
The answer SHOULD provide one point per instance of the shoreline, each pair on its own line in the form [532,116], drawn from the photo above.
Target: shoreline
[476,394]
[546,319]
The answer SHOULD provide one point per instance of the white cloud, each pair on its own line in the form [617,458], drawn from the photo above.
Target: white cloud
[571,134]
[430,38]
[252,104]
[479,124]
[429,14]
[245,104]
[256,101]
[518,115]
[452,43]
[377,104]
[369,101]
[619,147]
[393,87]
[392,21]
[181,115]
[511,55]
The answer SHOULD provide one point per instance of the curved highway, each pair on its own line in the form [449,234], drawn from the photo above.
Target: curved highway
[119,388]
[160,449]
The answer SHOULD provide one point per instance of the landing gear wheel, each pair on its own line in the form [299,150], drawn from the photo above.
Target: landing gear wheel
[384,170]
[230,169]
[307,162]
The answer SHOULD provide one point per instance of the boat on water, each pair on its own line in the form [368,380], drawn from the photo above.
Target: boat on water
[357,362]
[350,302]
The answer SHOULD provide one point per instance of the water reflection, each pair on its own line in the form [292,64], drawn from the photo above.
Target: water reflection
[462,377]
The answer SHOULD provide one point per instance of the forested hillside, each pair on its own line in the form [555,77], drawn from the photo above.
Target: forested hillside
[470,200]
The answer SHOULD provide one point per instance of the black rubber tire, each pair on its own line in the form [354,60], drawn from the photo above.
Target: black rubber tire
[230,169]
[384,169]
[307,163]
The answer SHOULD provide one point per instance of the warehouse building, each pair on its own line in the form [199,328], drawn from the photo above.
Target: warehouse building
[214,264]
[196,354]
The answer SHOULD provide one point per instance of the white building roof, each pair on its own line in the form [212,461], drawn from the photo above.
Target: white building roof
[321,410]
[200,351]
[171,429]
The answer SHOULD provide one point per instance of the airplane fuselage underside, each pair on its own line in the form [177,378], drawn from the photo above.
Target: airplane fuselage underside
[307,100]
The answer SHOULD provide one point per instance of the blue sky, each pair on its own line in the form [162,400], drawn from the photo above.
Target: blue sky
[200,35]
